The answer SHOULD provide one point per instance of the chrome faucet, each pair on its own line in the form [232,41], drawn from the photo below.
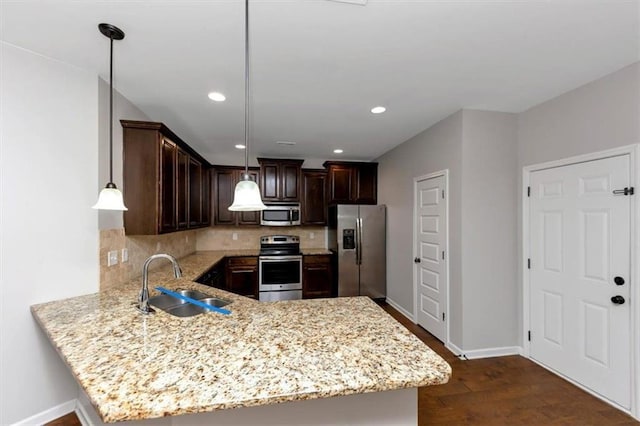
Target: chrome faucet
[143,299]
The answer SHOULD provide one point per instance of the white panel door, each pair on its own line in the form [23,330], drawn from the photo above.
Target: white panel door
[430,224]
[579,244]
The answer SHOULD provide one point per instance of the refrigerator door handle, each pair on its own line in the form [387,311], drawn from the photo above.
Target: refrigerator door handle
[359,241]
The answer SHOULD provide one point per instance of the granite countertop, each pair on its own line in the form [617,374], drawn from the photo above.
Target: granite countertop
[133,366]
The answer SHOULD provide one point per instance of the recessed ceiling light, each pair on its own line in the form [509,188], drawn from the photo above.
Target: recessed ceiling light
[217,96]
[378,110]
[240,146]
[285,143]
[338,151]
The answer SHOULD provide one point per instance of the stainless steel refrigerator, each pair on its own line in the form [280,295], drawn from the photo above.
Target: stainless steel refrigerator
[357,235]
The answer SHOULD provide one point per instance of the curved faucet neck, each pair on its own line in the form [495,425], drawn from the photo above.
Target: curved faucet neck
[144,292]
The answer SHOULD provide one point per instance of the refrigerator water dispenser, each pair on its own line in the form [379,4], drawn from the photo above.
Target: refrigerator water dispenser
[348,239]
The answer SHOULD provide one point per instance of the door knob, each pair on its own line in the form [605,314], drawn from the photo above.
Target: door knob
[618,280]
[416,260]
[618,300]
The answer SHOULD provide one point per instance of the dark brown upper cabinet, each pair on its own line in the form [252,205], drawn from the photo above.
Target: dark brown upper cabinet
[182,190]
[280,179]
[199,189]
[314,197]
[224,180]
[166,182]
[352,182]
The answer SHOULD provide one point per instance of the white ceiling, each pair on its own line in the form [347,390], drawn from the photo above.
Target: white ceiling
[319,66]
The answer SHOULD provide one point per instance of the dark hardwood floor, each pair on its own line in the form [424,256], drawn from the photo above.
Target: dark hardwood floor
[505,391]
[494,391]
[67,420]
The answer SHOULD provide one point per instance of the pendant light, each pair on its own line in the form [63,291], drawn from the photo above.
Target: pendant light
[110,197]
[247,194]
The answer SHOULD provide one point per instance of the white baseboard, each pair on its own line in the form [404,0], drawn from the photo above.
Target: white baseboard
[48,415]
[85,411]
[487,352]
[454,349]
[83,416]
[400,309]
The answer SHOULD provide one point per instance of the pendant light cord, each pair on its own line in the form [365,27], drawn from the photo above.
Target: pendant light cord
[111,111]
[246,91]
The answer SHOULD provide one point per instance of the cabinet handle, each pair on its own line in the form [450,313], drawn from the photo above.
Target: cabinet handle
[239,271]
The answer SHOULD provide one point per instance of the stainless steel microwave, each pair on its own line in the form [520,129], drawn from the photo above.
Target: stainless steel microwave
[281,214]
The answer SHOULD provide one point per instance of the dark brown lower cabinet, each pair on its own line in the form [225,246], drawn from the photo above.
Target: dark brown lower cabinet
[215,276]
[242,276]
[317,277]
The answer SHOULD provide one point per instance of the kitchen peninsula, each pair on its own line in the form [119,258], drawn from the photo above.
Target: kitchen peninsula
[340,360]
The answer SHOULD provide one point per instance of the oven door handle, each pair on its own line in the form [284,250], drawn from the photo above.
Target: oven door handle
[279,258]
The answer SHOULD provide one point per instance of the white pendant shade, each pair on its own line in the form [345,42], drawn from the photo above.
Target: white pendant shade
[110,199]
[246,197]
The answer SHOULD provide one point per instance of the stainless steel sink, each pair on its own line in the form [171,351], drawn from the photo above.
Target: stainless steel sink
[214,301]
[182,308]
[194,294]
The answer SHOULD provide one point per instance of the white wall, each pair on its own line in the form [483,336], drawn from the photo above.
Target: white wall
[485,152]
[123,109]
[489,243]
[600,115]
[48,178]
[435,149]
[479,148]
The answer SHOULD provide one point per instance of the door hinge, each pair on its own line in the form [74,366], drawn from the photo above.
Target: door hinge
[443,316]
[625,191]
[529,263]
[528,191]
[529,335]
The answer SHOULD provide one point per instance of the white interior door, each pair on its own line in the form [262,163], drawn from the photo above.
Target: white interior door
[430,229]
[580,254]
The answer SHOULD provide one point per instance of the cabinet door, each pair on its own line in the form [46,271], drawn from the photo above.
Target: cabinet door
[224,186]
[367,184]
[195,193]
[242,276]
[168,160]
[182,189]
[314,200]
[206,196]
[270,181]
[317,277]
[248,218]
[289,182]
[341,184]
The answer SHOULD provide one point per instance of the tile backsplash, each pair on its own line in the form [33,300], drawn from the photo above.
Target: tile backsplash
[180,244]
[222,238]
[140,247]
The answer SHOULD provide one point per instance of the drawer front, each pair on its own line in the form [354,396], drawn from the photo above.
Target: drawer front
[242,261]
[320,259]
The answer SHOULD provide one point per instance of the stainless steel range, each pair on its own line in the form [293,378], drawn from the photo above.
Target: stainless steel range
[280,268]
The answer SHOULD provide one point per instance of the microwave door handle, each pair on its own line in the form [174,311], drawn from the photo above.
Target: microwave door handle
[290,216]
